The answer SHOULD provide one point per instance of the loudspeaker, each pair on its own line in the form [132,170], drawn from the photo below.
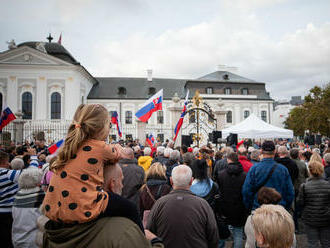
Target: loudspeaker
[215,136]
[186,140]
[318,139]
[232,139]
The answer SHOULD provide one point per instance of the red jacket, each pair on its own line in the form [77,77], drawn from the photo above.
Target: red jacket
[245,163]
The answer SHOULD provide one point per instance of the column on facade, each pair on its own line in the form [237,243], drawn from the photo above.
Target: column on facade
[220,115]
[41,99]
[141,126]
[175,109]
[18,128]
[12,95]
[72,97]
[238,114]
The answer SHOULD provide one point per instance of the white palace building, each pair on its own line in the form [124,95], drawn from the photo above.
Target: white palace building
[44,82]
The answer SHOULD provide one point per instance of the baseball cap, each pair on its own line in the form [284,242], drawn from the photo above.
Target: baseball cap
[268,146]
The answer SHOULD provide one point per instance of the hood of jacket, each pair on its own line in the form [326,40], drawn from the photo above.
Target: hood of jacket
[144,159]
[201,188]
[234,168]
[155,182]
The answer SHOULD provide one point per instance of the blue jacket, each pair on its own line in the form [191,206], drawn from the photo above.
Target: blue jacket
[280,180]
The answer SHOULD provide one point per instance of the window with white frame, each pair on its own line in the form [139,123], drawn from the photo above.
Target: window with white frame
[128,117]
[245,91]
[227,91]
[246,114]
[264,115]
[229,116]
[209,90]
[55,106]
[160,117]
[27,105]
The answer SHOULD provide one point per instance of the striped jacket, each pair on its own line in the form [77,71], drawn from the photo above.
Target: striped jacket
[9,186]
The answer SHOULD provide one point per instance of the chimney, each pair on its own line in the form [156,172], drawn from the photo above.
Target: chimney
[149,75]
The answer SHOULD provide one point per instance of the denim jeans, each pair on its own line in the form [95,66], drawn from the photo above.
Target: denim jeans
[237,233]
[314,235]
[222,243]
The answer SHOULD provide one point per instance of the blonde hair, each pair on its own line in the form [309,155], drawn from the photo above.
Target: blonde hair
[275,225]
[156,171]
[315,158]
[89,121]
[315,168]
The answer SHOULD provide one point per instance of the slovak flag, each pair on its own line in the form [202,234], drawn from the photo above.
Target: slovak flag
[152,105]
[115,120]
[179,124]
[52,149]
[6,117]
[150,140]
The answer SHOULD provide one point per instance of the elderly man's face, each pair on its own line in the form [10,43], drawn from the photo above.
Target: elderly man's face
[117,183]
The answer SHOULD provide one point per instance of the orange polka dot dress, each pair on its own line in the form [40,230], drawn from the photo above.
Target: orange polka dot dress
[75,193]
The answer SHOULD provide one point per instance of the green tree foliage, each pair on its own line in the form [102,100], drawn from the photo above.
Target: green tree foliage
[313,115]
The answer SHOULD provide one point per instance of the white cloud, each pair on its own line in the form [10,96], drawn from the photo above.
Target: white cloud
[290,66]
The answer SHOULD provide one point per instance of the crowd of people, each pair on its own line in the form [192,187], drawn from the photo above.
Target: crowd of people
[93,194]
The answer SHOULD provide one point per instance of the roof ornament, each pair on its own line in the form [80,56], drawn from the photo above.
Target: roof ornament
[41,47]
[11,44]
[50,38]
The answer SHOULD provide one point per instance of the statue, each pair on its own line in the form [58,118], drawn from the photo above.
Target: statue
[11,44]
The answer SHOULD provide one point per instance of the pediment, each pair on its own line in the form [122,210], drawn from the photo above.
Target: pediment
[29,56]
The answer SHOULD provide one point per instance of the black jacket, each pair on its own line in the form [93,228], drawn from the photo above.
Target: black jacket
[291,166]
[327,172]
[314,198]
[161,159]
[230,181]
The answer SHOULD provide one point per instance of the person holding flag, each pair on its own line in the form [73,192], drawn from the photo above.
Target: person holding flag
[152,105]
[115,120]
[183,113]
[150,140]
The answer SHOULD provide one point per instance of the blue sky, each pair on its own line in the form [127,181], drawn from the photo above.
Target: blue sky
[285,43]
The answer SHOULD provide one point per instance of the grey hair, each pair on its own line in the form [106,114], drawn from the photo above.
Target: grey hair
[160,150]
[167,152]
[175,155]
[30,178]
[146,151]
[196,151]
[17,164]
[282,150]
[327,158]
[181,176]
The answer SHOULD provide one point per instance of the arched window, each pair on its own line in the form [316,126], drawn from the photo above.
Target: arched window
[55,109]
[1,101]
[229,117]
[152,91]
[160,117]
[209,90]
[27,105]
[128,117]
[227,91]
[246,114]
[121,91]
[264,115]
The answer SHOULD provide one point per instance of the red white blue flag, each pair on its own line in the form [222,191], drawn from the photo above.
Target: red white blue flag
[53,148]
[6,117]
[183,113]
[152,105]
[115,120]
[150,140]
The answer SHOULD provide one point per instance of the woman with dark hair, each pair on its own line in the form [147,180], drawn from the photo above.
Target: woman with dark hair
[265,195]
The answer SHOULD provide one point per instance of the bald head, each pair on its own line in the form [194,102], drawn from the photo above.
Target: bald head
[113,177]
[127,153]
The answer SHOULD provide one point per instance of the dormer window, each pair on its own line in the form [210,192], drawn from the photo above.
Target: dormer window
[121,91]
[245,91]
[209,90]
[227,91]
[225,77]
[152,91]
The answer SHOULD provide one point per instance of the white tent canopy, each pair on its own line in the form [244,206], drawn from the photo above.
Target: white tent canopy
[255,128]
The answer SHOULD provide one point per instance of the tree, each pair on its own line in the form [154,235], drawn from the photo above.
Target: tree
[314,114]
